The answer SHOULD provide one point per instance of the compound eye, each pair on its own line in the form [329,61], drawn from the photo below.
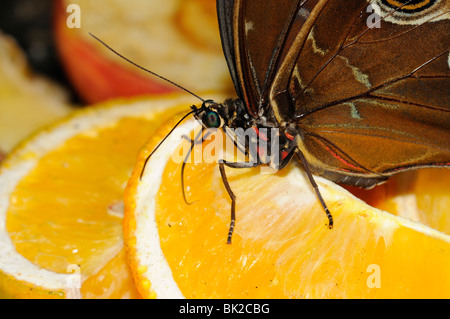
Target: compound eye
[211,119]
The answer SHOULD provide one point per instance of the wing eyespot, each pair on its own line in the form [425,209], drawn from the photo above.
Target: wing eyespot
[409,6]
[412,12]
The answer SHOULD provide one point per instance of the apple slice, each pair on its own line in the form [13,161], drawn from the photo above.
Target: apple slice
[175,38]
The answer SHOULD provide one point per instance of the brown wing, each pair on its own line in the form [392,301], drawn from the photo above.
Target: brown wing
[369,101]
[255,37]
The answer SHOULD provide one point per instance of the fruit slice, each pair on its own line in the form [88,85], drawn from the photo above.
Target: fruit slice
[421,195]
[281,246]
[61,202]
[177,39]
[27,101]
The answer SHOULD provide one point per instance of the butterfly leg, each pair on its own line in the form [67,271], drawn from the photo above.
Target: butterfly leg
[194,141]
[240,164]
[314,185]
[222,164]
[197,140]
[287,159]
[233,201]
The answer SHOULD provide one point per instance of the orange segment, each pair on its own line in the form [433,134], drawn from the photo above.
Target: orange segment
[281,246]
[61,202]
[426,193]
[420,195]
[73,185]
[113,280]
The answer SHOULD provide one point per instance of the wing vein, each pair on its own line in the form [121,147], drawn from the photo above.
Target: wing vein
[383,137]
[367,93]
[342,47]
[276,52]
[331,145]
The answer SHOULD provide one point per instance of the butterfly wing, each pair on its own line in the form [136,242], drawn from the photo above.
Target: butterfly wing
[369,101]
[255,37]
[225,17]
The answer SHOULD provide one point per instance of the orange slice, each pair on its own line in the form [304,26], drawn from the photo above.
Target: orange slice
[281,246]
[61,202]
[420,195]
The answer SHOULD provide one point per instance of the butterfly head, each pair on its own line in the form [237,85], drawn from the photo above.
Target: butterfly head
[210,114]
[231,113]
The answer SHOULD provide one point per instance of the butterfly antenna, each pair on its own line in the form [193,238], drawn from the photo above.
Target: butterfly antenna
[165,137]
[193,142]
[146,70]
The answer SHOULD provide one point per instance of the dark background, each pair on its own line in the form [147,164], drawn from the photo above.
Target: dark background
[30,23]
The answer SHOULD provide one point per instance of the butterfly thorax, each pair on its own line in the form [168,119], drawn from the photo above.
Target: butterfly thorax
[261,138]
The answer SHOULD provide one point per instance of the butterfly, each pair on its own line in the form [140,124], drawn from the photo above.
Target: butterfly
[356,90]
[359,90]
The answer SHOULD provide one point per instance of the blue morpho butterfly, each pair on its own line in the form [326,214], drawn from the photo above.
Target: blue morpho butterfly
[358,90]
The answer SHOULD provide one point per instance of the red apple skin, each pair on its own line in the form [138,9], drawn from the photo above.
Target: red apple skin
[95,77]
